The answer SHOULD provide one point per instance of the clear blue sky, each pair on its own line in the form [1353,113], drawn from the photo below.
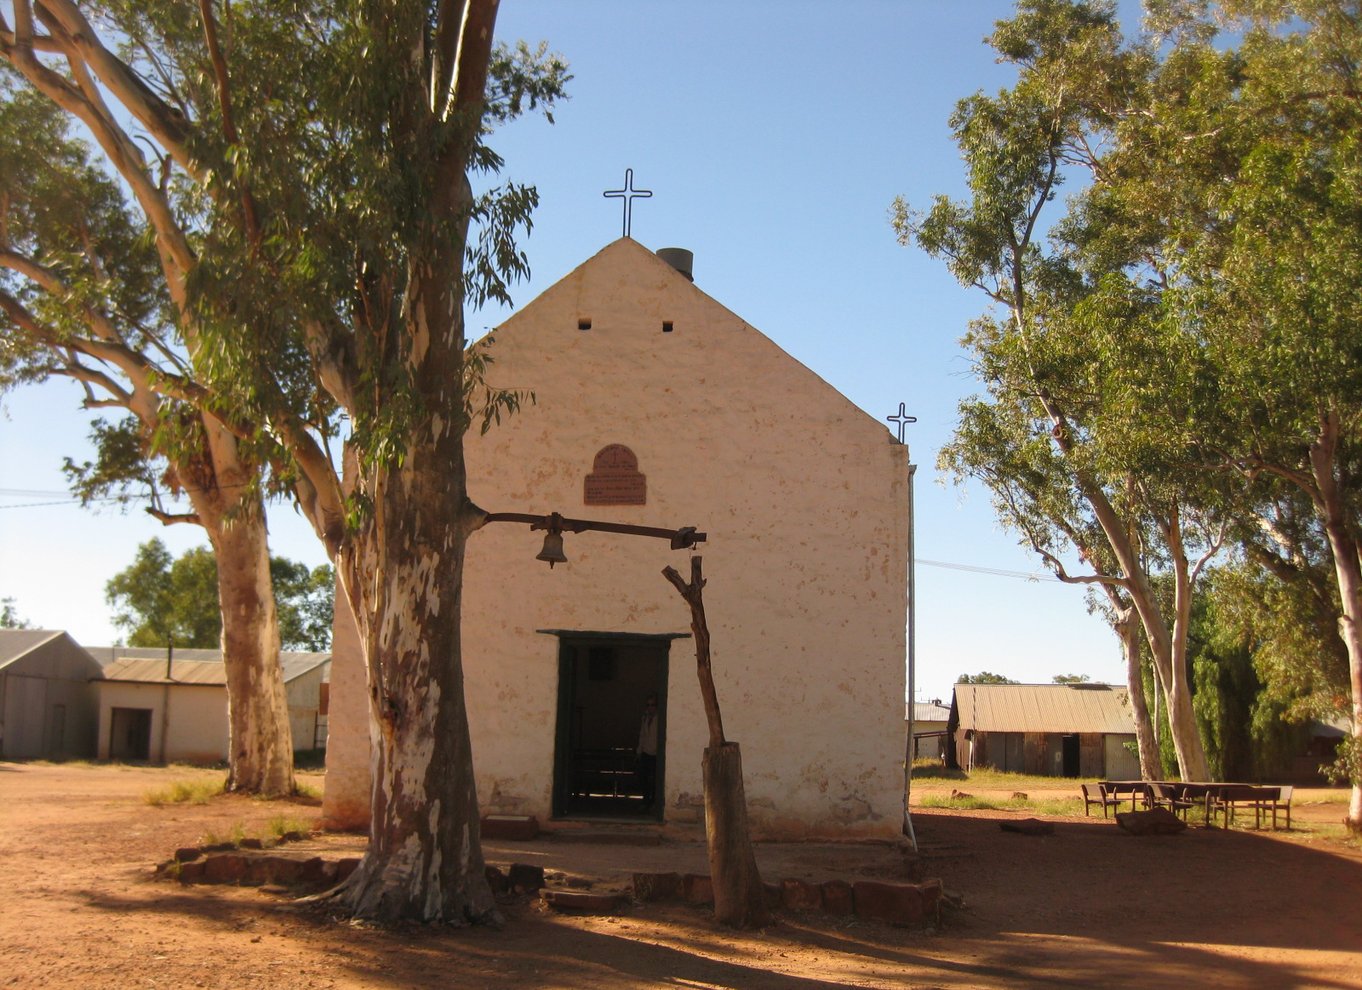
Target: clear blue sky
[774,136]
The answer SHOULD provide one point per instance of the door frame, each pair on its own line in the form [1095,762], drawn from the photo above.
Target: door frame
[562,742]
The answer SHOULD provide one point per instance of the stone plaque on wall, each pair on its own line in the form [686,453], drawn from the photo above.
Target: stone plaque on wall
[615,478]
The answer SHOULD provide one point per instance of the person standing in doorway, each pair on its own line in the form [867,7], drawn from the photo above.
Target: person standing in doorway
[647,751]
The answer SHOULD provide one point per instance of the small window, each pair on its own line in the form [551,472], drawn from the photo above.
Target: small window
[583,324]
[666,326]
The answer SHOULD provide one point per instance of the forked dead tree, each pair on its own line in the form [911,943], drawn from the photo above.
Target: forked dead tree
[739,897]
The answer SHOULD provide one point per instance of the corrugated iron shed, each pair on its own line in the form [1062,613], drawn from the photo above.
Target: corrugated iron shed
[1065,708]
[209,670]
[927,711]
[17,643]
[154,671]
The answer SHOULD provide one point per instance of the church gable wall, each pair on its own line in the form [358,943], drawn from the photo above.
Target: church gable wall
[804,500]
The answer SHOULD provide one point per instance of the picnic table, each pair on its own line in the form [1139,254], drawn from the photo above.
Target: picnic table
[1215,798]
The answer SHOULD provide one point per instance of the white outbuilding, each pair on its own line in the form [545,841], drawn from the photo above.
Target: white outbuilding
[162,706]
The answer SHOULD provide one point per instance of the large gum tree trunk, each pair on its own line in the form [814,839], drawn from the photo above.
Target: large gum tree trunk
[229,507]
[259,733]
[1146,742]
[1167,647]
[1169,654]
[1343,546]
[1182,726]
[404,578]
[401,562]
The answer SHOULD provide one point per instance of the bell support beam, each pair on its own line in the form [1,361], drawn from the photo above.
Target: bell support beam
[680,539]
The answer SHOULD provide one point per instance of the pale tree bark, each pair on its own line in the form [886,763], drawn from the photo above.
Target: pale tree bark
[739,895]
[1167,647]
[401,565]
[403,576]
[1128,630]
[1329,500]
[260,737]
[1134,607]
[1171,660]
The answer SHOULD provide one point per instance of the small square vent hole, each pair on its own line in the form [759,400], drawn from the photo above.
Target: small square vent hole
[666,326]
[583,324]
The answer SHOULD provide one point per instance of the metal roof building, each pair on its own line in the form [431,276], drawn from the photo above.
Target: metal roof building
[162,707]
[1042,708]
[1050,729]
[47,705]
[194,666]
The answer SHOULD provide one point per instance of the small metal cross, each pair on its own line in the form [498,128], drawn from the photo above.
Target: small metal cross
[902,419]
[628,194]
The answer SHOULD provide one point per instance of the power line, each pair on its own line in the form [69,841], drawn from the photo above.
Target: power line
[995,571]
[65,498]
[948,565]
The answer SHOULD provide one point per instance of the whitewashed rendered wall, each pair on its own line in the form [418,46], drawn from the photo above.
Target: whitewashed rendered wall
[804,499]
[193,726]
[346,798]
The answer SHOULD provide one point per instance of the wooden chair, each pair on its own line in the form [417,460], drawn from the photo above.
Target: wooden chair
[1097,794]
[1134,791]
[1282,802]
[1165,796]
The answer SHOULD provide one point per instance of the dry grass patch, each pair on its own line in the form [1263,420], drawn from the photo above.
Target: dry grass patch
[185,792]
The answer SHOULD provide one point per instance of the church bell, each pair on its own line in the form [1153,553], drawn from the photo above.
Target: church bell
[553,549]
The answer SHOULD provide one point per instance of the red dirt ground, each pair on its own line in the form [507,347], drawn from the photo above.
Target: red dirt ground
[1087,906]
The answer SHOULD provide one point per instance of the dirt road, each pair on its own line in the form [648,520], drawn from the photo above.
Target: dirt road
[1087,906]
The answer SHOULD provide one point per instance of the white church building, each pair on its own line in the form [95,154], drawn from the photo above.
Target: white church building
[656,406]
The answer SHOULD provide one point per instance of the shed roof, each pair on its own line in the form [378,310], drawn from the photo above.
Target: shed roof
[16,643]
[129,666]
[1102,708]
[927,711]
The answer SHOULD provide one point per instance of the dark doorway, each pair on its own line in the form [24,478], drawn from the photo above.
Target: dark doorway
[604,682]
[130,734]
[56,731]
[1070,750]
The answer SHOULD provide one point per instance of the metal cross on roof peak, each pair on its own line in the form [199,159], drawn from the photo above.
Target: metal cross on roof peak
[902,419]
[628,194]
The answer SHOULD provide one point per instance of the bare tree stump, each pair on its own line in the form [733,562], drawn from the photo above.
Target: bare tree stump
[739,897]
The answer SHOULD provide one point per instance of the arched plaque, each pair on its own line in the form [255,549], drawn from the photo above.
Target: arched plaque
[615,478]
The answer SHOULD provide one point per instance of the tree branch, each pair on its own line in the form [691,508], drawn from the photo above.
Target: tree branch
[171,519]
[449,15]
[80,41]
[700,629]
[229,131]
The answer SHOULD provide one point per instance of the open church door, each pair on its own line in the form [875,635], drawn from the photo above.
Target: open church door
[605,683]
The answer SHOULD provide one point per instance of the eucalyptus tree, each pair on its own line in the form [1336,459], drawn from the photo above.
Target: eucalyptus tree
[1285,607]
[1072,351]
[327,154]
[82,297]
[1241,168]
